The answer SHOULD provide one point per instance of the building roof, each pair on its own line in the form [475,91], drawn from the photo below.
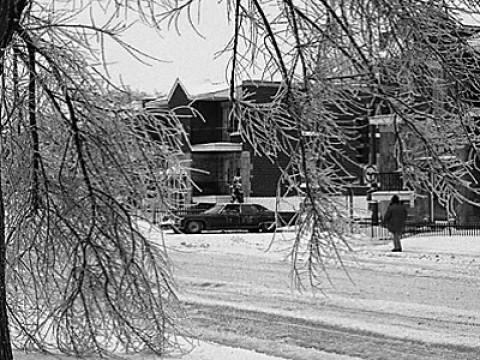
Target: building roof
[161,104]
[218,95]
[157,104]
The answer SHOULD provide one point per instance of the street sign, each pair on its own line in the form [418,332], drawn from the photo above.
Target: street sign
[370,174]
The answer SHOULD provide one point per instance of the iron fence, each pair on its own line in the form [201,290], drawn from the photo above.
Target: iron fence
[443,228]
[437,228]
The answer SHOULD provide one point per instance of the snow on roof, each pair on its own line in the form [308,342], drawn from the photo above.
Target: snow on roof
[161,103]
[218,95]
[222,94]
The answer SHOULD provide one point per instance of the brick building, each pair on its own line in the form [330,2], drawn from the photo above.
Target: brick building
[217,153]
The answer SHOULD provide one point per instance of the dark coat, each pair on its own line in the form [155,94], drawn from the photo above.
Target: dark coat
[395,217]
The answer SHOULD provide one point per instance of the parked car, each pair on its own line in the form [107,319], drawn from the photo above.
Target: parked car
[170,219]
[252,217]
[193,209]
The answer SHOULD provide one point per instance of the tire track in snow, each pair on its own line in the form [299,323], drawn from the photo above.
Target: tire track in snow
[223,321]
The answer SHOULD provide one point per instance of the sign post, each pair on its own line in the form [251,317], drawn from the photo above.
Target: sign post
[370,175]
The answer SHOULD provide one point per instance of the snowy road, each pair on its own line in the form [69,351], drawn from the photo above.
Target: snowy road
[413,305]
[273,331]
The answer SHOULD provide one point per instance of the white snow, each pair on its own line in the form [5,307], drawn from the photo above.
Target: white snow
[262,244]
[453,250]
[460,245]
[203,351]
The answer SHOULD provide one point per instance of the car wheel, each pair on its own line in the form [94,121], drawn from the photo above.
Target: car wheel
[194,227]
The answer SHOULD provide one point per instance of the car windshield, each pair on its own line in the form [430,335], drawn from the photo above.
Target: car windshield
[215,209]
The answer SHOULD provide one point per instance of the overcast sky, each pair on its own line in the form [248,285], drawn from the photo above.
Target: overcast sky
[187,55]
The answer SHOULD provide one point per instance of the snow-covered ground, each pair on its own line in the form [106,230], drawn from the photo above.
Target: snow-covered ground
[449,257]
[203,351]
[426,260]
[278,245]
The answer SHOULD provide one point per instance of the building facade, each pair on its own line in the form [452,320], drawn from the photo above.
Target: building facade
[214,151]
[215,154]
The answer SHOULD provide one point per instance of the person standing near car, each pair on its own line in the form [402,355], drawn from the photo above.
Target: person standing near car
[394,220]
[236,189]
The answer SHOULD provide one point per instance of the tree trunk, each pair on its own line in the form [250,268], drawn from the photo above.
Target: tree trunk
[5,344]
[10,14]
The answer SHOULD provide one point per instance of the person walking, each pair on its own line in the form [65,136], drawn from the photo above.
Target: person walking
[394,221]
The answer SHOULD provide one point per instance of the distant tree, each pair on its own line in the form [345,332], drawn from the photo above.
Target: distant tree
[76,273]
[414,60]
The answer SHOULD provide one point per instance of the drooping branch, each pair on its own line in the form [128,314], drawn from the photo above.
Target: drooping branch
[33,129]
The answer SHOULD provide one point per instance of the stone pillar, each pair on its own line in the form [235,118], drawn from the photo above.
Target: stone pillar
[245,167]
